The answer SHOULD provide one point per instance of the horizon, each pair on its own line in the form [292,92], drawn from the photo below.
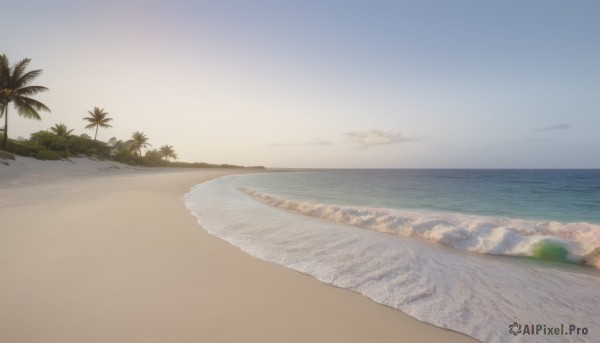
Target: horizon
[324,85]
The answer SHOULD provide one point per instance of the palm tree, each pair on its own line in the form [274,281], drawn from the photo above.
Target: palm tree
[113,142]
[168,152]
[117,145]
[97,119]
[60,130]
[14,88]
[137,142]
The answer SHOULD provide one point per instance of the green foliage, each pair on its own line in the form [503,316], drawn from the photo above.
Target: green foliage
[47,155]
[45,145]
[24,148]
[123,156]
[64,146]
[126,156]
[154,158]
[49,141]
[6,155]
[82,145]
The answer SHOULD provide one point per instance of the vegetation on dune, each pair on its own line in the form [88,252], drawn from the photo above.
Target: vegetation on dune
[46,145]
[6,155]
[59,142]
[47,155]
[15,89]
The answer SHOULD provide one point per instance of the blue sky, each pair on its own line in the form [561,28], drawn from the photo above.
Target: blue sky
[467,84]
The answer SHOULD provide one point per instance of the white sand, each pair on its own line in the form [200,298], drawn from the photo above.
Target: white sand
[113,255]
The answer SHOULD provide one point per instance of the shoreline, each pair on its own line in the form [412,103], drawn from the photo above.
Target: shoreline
[119,258]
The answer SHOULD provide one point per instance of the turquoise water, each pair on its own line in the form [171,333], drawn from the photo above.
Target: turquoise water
[565,196]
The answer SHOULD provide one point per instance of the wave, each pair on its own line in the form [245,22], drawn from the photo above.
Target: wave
[570,242]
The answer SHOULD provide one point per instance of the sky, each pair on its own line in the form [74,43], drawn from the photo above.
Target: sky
[323,84]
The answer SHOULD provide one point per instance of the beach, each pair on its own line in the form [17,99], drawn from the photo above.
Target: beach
[115,256]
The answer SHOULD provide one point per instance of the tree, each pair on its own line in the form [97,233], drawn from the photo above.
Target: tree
[153,157]
[168,152]
[60,130]
[14,87]
[117,146]
[112,142]
[137,142]
[97,119]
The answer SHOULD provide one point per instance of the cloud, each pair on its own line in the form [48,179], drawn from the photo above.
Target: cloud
[313,142]
[556,127]
[375,137]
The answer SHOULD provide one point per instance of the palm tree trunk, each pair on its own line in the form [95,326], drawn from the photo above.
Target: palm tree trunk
[5,140]
[96,135]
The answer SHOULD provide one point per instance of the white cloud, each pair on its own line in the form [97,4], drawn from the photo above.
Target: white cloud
[375,137]
[314,141]
[555,127]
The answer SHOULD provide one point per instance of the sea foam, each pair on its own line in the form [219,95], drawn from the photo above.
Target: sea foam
[572,242]
[479,295]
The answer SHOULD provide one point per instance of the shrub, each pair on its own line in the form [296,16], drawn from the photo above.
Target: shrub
[90,146]
[47,155]
[6,155]
[68,145]
[24,148]
[123,156]
[49,141]
[126,156]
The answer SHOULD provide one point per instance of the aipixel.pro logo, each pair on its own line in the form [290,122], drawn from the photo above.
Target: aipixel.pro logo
[545,330]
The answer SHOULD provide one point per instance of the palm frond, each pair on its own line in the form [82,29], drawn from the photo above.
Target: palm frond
[31,102]
[4,71]
[4,62]
[19,69]
[60,130]
[25,110]
[24,80]
[31,90]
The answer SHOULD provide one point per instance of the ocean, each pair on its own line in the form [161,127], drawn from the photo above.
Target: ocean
[482,252]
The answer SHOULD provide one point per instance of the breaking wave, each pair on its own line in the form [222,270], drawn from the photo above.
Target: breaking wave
[571,242]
